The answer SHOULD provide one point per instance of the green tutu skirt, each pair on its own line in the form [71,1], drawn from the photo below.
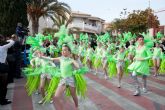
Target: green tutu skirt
[162,67]
[140,67]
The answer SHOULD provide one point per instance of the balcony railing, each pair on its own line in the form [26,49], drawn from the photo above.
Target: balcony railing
[85,26]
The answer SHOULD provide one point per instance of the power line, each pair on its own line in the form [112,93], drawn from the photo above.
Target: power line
[159,11]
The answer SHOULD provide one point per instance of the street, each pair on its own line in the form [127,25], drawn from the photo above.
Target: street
[102,95]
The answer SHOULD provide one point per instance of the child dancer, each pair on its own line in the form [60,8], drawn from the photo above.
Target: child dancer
[120,64]
[67,80]
[131,51]
[105,60]
[97,60]
[156,58]
[89,54]
[45,75]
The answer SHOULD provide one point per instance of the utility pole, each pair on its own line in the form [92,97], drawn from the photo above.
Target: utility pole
[149,3]
[149,12]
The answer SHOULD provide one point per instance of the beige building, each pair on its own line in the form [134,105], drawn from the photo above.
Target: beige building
[86,23]
[80,21]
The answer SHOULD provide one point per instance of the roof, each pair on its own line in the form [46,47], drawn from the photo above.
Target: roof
[79,13]
[84,15]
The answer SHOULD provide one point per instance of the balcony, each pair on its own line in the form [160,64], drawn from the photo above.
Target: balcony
[85,27]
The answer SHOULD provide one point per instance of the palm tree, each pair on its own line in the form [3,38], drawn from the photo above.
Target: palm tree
[46,8]
[60,20]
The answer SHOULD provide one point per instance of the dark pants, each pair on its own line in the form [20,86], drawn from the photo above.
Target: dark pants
[11,71]
[3,86]
[17,66]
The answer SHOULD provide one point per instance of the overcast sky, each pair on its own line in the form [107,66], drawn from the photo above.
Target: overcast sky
[110,9]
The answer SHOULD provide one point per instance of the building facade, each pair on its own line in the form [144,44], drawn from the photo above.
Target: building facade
[86,23]
[153,31]
[79,22]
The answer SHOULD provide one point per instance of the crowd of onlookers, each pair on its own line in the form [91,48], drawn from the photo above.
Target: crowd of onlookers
[10,61]
[10,64]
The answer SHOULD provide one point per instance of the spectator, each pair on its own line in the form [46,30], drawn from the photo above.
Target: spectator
[4,69]
[20,31]
[163,44]
[11,60]
[17,55]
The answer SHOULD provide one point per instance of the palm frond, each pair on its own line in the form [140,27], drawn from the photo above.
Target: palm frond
[59,12]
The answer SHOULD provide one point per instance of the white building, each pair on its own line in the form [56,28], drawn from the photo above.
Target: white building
[86,23]
[81,21]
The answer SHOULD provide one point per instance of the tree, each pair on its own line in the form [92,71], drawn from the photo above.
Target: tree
[49,31]
[118,24]
[10,15]
[46,8]
[137,21]
[60,20]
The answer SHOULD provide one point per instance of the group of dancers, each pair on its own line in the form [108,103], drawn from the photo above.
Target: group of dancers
[57,69]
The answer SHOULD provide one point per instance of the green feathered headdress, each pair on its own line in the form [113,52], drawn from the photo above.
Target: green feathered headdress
[84,38]
[61,35]
[127,37]
[105,37]
[159,35]
[64,37]
[148,40]
[32,41]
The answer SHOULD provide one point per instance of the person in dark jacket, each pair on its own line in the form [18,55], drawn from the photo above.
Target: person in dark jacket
[20,31]
[17,55]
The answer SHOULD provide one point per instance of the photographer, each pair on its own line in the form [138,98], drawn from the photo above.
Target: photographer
[21,32]
[4,69]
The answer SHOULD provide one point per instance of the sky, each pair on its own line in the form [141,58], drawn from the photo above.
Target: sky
[111,9]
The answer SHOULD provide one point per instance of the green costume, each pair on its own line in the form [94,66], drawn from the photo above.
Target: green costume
[157,52]
[131,49]
[88,55]
[67,73]
[141,67]
[97,58]
[66,67]
[120,56]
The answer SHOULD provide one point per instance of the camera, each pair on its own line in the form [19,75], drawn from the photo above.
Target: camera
[25,31]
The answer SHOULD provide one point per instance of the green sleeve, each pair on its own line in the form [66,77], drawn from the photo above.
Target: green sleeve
[148,54]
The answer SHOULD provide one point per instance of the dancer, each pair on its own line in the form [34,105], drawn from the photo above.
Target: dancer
[89,54]
[67,80]
[45,75]
[120,64]
[97,59]
[140,65]
[156,58]
[131,51]
[105,61]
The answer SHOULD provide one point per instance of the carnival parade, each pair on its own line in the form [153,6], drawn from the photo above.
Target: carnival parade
[82,55]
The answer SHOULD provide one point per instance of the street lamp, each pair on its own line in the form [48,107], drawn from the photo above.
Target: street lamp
[123,13]
[149,2]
